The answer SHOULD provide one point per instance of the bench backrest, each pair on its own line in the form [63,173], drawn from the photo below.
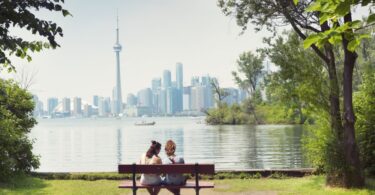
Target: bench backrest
[208,169]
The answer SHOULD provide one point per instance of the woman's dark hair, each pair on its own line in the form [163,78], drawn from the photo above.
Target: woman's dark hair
[155,146]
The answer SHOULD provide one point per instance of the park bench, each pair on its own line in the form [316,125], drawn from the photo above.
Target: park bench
[196,169]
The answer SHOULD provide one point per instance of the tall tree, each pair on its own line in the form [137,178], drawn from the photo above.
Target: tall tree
[21,14]
[299,82]
[274,13]
[248,76]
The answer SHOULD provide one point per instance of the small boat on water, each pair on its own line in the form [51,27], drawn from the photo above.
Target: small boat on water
[144,123]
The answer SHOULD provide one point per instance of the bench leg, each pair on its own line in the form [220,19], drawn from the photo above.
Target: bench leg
[134,191]
[197,191]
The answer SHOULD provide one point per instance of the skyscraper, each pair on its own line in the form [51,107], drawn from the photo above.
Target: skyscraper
[51,104]
[77,106]
[180,87]
[179,76]
[95,100]
[167,80]
[66,106]
[117,93]
[145,98]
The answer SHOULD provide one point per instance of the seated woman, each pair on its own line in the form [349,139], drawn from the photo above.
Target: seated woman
[172,158]
[151,158]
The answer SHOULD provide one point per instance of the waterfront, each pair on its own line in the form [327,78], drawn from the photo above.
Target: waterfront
[93,145]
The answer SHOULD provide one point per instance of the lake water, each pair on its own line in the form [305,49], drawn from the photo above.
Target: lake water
[82,145]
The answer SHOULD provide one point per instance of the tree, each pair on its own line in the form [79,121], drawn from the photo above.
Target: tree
[21,14]
[219,92]
[300,81]
[16,121]
[312,17]
[248,76]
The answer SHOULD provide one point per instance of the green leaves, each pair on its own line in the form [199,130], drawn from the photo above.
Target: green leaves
[371,19]
[332,13]
[312,39]
[22,14]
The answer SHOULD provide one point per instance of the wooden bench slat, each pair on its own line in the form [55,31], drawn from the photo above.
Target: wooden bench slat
[175,168]
[189,184]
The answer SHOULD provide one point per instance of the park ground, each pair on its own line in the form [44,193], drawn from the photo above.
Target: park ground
[264,186]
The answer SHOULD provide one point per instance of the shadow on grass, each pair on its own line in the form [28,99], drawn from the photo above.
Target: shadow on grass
[24,185]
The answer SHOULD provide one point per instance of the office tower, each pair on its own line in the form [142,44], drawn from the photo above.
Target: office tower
[171,100]
[194,81]
[117,92]
[197,98]
[162,96]
[51,105]
[66,106]
[167,80]
[145,98]
[131,100]
[87,110]
[208,94]
[95,100]
[155,87]
[180,86]
[38,110]
[155,84]
[101,107]
[179,76]
[77,106]
[186,99]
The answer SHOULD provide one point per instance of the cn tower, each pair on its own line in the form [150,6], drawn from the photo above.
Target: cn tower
[117,93]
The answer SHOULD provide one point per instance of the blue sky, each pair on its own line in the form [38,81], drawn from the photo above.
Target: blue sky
[155,34]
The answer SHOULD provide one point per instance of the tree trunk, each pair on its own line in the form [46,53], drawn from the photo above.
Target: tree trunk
[354,174]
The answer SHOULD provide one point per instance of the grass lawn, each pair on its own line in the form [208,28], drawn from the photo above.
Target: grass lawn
[306,185]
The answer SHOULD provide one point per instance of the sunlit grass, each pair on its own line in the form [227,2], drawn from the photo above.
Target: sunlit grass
[306,185]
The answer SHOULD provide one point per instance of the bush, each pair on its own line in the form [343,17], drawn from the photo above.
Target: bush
[16,107]
[364,104]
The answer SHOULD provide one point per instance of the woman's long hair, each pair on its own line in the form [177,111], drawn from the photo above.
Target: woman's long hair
[155,146]
[170,148]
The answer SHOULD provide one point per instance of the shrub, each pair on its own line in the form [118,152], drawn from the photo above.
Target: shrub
[16,107]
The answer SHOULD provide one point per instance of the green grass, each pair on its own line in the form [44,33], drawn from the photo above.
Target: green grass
[306,185]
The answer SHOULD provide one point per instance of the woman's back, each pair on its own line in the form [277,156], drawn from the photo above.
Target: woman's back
[150,179]
[174,179]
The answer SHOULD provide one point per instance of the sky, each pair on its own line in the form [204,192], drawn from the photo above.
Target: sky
[154,34]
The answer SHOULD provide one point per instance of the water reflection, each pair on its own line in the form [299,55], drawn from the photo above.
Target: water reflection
[99,145]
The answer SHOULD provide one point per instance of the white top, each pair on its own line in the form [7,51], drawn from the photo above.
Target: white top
[174,179]
[150,179]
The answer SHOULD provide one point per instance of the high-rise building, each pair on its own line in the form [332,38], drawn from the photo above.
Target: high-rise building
[194,81]
[186,99]
[167,80]
[77,106]
[179,76]
[66,106]
[131,100]
[38,110]
[87,110]
[95,100]
[51,105]
[145,98]
[162,96]
[155,84]
[180,86]
[197,98]
[117,92]
[171,103]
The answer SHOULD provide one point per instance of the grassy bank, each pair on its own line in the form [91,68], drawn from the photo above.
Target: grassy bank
[304,185]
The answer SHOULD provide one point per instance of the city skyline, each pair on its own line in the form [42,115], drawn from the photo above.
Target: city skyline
[165,96]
